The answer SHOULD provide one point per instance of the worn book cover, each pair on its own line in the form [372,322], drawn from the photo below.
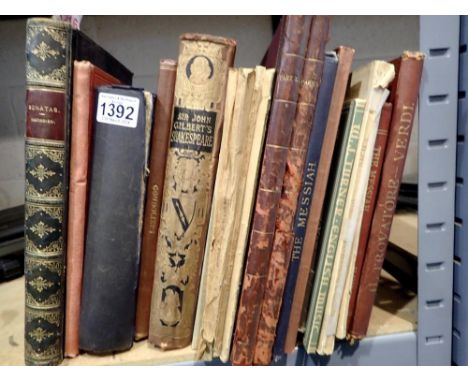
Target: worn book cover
[192,160]
[284,235]
[241,145]
[86,78]
[301,295]
[294,36]
[404,96]
[305,198]
[352,120]
[368,82]
[51,48]
[122,131]
[369,206]
[154,188]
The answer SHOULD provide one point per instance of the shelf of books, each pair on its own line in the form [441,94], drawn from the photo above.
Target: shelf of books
[241,215]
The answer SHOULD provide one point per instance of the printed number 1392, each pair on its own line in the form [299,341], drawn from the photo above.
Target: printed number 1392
[117,111]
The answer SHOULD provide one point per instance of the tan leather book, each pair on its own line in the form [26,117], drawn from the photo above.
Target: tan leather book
[292,181]
[86,78]
[226,238]
[192,160]
[345,59]
[154,188]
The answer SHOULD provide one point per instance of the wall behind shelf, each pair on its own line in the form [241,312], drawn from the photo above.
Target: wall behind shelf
[141,41]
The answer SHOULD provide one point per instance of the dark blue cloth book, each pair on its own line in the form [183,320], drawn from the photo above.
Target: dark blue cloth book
[122,130]
[305,198]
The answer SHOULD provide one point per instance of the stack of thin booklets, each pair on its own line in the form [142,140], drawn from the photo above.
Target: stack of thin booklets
[235,212]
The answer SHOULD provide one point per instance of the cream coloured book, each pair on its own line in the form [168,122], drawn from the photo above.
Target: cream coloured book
[368,82]
[246,111]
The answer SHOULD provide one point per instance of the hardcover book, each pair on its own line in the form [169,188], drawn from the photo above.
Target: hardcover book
[301,295]
[86,78]
[369,206]
[305,197]
[191,166]
[403,96]
[294,36]
[154,188]
[122,131]
[51,48]
[241,146]
[284,236]
[352,119]
[368,82]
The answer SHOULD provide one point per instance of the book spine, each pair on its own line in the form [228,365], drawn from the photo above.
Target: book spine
[290,63]
[115,219]
[305,198]
[405,98]
[333,224]
[284,225]
[190,171]
[157,170]
[258,117]
[86,78]
[345,59]
[47,117]
[371,198]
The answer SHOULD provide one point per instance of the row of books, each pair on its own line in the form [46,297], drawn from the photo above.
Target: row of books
[232,211]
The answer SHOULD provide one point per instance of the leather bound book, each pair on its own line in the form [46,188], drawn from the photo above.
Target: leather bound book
[294,37]
[371,198]
[403,96]
[305,198]
[154,188]
[86,78]
[190,172]
[51,48]
[345,59]
[284,226]
[122,131]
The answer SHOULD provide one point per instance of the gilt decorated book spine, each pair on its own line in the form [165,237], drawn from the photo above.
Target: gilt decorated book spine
[284,235]
[404,96]
[289,65]
[157,168]
[191,167]
[47,80]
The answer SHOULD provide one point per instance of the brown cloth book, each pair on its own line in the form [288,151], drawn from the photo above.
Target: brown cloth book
[294,35]
[345,59]
[188,186]
[403,96]
[157,169]
[284,235]
[86,78]
[371,198]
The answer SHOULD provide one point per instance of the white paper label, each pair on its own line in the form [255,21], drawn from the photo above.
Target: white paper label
[116,109]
